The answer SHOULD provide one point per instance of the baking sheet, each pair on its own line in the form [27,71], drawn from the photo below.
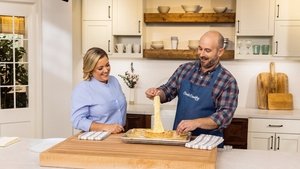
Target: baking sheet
[140,139]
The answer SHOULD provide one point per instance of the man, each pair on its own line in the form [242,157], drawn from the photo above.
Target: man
[207,92]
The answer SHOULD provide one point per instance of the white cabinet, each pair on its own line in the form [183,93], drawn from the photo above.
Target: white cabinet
[255,17]
[287,38]
[274,134]
[287,29]
[287,10]
[96,34]
[97,25]
[127,26]
[97,9]
[127,17]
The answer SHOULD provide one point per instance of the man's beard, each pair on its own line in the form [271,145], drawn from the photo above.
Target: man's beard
[210,64]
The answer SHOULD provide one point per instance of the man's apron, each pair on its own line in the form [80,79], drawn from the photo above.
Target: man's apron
[196,101]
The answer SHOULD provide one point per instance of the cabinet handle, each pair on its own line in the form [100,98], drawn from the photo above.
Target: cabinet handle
[277,11]
[108,44]
[238,26]
[139,27]
[276,47]
[278,142]
[271,147]
[109,12]
[272,125]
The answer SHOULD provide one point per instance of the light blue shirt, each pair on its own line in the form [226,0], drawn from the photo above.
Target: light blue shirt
[100,102]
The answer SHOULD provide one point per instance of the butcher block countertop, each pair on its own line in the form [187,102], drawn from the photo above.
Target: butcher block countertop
[25,154]
[113,153]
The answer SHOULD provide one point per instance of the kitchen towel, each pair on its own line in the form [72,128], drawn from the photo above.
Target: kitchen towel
[6,141]
[94,135]
[205,141]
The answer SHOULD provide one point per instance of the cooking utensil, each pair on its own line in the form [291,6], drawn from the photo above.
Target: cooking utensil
[278,100]
[266,84]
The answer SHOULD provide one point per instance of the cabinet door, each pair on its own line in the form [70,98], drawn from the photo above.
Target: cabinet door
[96,9]
[261,141]
[255,17]
[137,121]
[287,38]
[127,16]
[236,133]
[287,10]
[96,34]
[287,142]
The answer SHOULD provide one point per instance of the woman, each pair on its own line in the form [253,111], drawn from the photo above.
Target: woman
[98,102]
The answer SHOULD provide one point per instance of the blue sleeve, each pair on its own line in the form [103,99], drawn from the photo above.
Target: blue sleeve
[80,108]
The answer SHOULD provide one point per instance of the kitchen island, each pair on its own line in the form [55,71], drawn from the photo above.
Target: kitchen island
[20,155]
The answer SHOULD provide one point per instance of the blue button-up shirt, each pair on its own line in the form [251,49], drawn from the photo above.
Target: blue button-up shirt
[100,102]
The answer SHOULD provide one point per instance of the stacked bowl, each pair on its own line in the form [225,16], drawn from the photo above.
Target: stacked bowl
[157,45]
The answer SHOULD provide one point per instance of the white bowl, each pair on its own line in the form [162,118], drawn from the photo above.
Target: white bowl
[157,42]
[191,8]
[220,9]
[157,46]
[193,44]
[163,9]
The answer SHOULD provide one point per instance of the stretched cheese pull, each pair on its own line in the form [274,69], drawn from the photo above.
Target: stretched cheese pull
[158,126]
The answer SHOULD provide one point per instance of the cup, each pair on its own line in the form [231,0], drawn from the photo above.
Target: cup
[128,48]
[265,49]
[120,47]
[174,42]
[256,49]
[136,48]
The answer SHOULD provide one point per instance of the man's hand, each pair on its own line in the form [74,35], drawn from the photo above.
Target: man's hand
[151,92]
[186,125]
[190,125]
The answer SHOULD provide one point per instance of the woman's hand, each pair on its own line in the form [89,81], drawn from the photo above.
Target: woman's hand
[112,128]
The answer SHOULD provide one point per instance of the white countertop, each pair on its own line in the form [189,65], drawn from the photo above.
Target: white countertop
[20,155]
[147,109]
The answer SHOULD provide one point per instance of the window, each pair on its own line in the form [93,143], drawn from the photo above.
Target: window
[13,62]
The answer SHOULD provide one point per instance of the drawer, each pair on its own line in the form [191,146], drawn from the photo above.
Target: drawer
[273,125]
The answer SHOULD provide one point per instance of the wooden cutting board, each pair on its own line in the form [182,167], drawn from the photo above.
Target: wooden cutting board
[280,101]
[113,153]
[265,85]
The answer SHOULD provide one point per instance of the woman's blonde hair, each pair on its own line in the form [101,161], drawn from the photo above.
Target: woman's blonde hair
[90,60]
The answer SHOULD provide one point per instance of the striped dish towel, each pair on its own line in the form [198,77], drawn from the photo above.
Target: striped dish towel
[205,141]
[93,135]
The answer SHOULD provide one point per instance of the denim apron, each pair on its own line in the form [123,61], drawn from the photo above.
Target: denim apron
[196,101]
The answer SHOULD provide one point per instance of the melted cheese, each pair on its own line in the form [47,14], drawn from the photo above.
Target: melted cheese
[158,126]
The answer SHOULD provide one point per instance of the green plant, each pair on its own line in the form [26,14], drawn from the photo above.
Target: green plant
[12,73]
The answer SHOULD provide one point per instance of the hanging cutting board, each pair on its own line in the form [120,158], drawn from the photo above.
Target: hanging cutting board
[266,85]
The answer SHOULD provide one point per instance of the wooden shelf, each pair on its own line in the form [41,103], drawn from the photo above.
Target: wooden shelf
[189,18]
[180,54]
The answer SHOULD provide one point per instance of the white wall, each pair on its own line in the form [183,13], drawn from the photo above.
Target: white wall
[155,72]
[57,67]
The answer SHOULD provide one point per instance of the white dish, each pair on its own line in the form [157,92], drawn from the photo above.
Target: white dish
[157,46]
[192,47]
[191,8]
[193,44]
[163,9]
[157,42]
[220,9]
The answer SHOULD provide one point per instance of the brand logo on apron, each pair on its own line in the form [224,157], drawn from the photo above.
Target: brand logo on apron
[196,98]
